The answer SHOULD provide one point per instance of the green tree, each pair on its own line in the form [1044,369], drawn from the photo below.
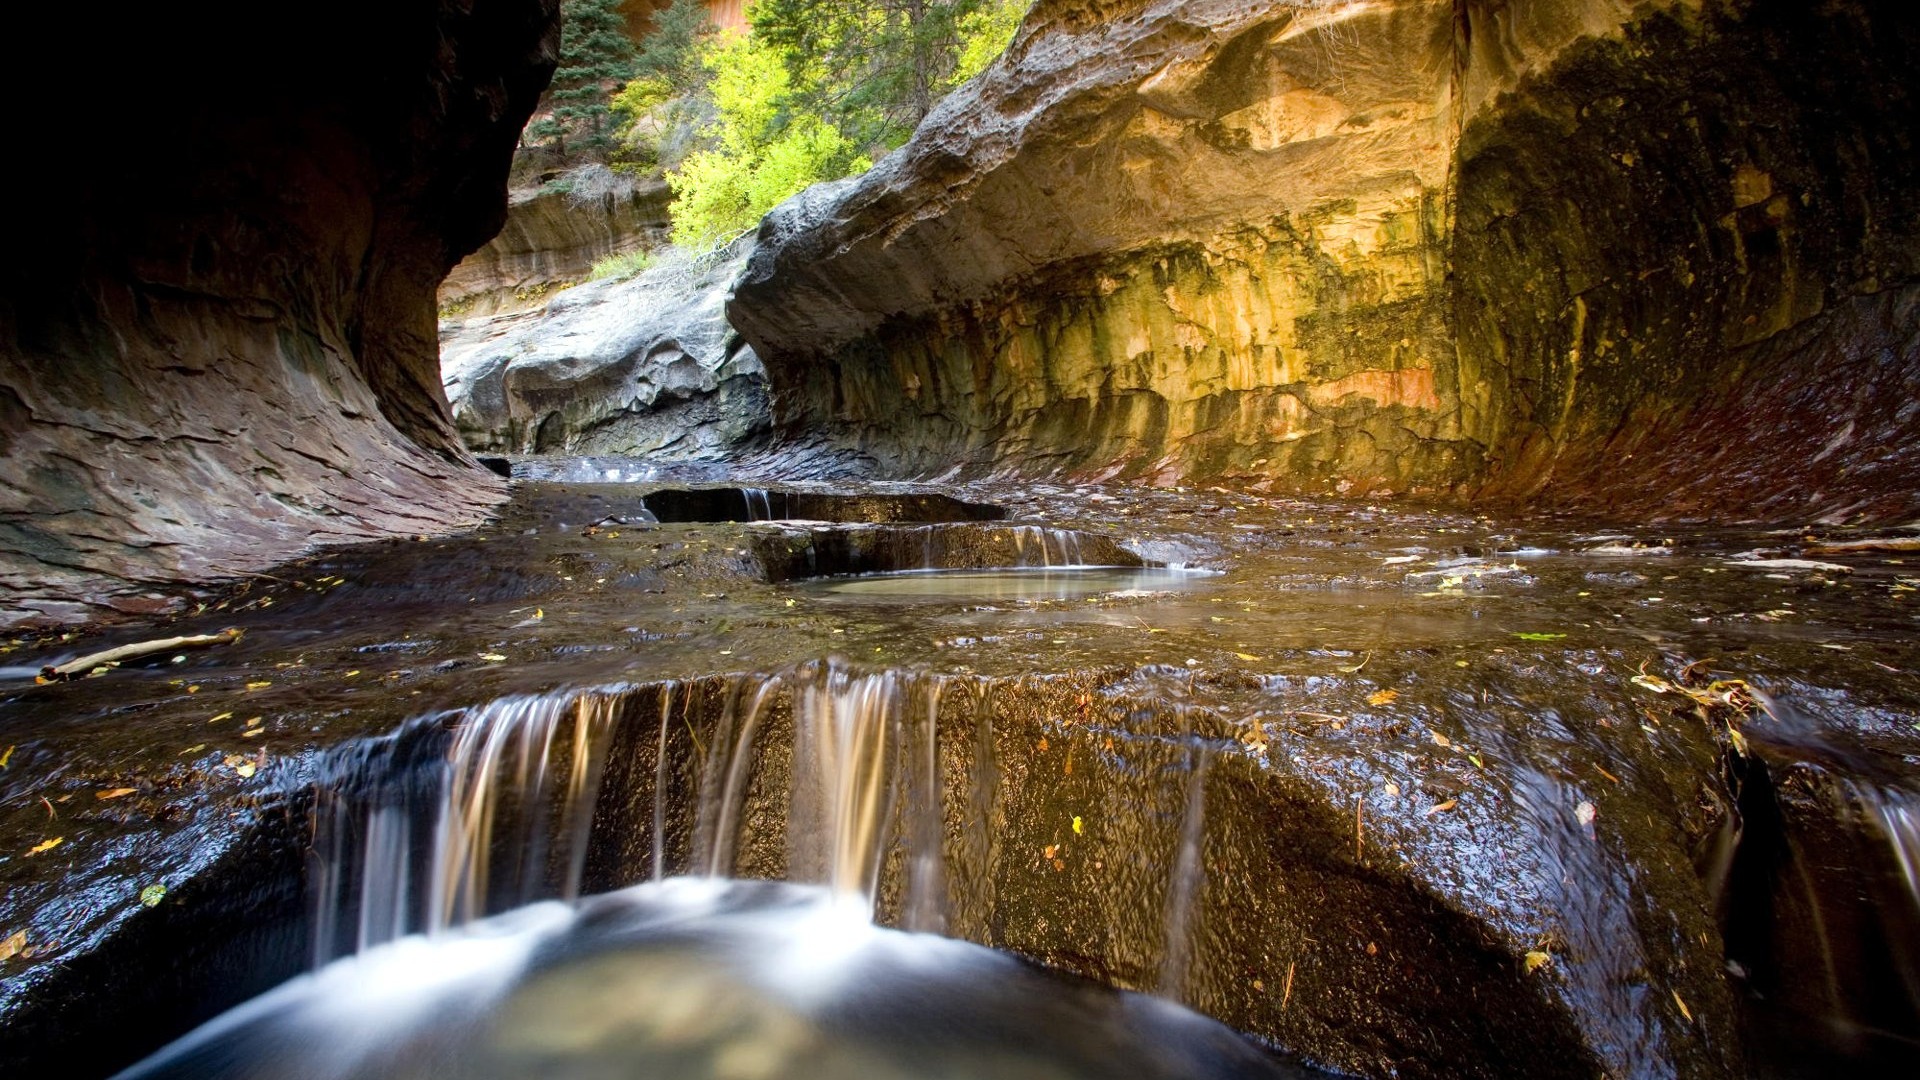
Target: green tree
[596,57]
[671,53]
[762,149]
[875,68]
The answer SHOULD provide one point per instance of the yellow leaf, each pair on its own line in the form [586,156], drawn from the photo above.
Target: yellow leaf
[539,614]
[1442,807]
[492,657]
[1684,1011]
[259,685]
[219,718]
[1246,656]
[46,845]
[352,673]
[245,769]
[1078,828]
[255,721]
[1537,960]
[11,947]
[113,794]
[6,757]
[1382,697]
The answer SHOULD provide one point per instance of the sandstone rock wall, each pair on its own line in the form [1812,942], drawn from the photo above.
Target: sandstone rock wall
[1468,247]
[551,240]
[642,366]
[217,325]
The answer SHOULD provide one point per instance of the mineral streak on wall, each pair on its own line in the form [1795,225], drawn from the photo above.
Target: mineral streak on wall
[217,336]
[1626,255]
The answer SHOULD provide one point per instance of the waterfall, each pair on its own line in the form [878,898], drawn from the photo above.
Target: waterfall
[506,816]
[1036,545]
[759,504]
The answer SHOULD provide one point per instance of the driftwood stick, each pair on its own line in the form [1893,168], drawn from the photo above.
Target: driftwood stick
[74,669]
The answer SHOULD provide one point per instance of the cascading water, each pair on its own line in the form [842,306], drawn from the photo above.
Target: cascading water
[510,820]
[689,977]
[759,504]
[1037,545]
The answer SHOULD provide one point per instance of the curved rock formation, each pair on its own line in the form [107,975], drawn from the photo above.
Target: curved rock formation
[1578,251]
[644,366]
[552,239]
[217,327]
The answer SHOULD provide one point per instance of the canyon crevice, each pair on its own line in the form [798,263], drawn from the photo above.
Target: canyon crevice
[1615,256]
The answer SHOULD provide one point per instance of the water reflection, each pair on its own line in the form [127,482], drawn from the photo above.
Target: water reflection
[1019,584]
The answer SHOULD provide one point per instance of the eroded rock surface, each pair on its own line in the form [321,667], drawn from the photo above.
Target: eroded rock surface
[1537,251]
[643,366]
[217,337]
[552,238]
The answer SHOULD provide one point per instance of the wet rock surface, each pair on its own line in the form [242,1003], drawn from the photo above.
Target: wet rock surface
[1582,253]
[217,327]
[1434,794]
[646,365]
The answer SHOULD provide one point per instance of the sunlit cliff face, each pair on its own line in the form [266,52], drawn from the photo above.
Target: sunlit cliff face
[1544,252]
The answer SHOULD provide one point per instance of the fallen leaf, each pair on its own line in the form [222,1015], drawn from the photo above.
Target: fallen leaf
[1440,740]
[1477,763]
[46,845]
[1382,697]
[1047,852]
[113,794]
[6,757]
[1584,815]
[1526,635]
[492,657]
[351,674]
[1078,828]
[261,684]
[11,947]
[1442,808]
[1537,960]
[1393,788]
[539,614]
[1684,1011]
[255,721]
[194,749]
[153,894]
[1246,656]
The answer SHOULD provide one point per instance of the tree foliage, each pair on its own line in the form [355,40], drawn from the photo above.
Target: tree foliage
[875,68]
[596,57]
[671,52]
[762,149]
[813,92]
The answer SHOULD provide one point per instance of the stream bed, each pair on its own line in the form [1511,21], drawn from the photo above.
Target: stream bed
[1398,791]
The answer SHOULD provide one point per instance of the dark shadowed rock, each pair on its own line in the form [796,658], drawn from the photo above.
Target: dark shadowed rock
[217,339]
[644,366]
[1515,251]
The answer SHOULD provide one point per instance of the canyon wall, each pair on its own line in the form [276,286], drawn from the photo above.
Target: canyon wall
[552,238]
[1608,254]
[217,316]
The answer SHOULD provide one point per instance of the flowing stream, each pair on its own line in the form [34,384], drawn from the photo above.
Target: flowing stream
[1404,792]
[704,976]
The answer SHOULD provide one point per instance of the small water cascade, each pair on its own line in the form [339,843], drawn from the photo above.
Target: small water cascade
[759,504]
[507,817]
[1036,545]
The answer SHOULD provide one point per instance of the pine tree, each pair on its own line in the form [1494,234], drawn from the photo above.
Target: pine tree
[596,58]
